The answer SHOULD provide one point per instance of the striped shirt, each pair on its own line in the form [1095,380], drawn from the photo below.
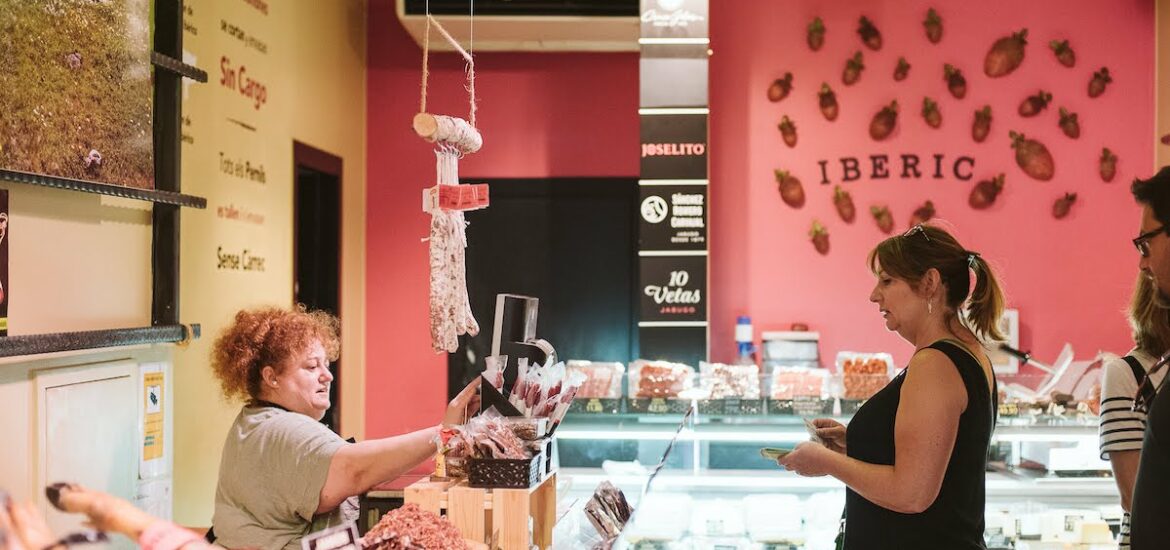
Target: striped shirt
[1122,429]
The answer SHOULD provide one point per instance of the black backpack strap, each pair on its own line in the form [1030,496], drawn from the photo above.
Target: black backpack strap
[1139,374]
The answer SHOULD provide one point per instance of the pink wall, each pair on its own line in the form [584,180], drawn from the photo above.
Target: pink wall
[1069,278]
[541,115]
[575,115]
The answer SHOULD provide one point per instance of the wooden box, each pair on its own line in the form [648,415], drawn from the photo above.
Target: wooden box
[497,517]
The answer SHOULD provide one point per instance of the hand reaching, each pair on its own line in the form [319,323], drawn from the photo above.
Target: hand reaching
[464,406]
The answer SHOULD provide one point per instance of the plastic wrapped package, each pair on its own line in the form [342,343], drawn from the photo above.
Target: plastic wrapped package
[722,381]
[602,380]
[527,429]
[659,379]
[793,382]
[800,391]
[864,374]
[545,391]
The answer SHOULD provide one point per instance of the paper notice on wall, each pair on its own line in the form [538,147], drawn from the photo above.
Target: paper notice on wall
[153,420]
[4,262]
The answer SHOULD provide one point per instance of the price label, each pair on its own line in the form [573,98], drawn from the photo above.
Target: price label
[342,537]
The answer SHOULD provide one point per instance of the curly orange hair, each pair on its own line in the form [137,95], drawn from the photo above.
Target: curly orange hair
[268,336]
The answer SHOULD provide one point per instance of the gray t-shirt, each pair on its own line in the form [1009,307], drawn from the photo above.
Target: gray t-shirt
[273,467]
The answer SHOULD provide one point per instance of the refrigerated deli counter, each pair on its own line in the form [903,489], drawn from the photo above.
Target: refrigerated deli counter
[1046,485]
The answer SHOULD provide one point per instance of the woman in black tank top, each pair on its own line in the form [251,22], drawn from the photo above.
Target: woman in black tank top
[914,456]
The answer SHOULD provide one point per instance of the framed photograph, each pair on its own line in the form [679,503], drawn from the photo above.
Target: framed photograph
[1009,325]
[76,94]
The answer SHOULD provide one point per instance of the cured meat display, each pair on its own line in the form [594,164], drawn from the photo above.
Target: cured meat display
[650,379]
[793,382]
[602,380]
[724,381]
[412,528]
[864,373]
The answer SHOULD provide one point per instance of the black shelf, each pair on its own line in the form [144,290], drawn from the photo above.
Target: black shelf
[36,344]
[178,67]
[152,195]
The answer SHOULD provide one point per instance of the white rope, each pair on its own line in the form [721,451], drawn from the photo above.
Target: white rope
[454,44]
[459,49]
[471,66]
[422,103]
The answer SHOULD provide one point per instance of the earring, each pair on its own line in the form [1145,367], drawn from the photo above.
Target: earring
[930,307]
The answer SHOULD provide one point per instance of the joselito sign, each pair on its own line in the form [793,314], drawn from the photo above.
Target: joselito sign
[673,217]
[674,18]
[674,288]
[674,146]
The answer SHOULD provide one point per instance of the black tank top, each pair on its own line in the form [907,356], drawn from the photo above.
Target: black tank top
[955,520]
[1151,505]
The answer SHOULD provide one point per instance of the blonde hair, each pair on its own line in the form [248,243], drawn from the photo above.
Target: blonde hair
[1149,318]
[924,247]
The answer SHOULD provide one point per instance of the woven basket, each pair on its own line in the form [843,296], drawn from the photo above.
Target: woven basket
[504,473]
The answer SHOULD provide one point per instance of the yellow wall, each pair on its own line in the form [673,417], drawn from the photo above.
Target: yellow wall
[77,261]
[310,58]
[1162,83]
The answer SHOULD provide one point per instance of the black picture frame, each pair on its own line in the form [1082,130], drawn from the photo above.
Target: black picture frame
[167,199]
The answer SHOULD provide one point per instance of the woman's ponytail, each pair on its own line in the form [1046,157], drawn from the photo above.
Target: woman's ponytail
[985,306]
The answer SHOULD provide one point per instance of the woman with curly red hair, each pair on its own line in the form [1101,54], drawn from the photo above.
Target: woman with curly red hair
[283,474]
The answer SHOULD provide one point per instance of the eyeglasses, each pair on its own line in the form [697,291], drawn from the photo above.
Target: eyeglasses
[1142,242]
[1146,392]
[916,229]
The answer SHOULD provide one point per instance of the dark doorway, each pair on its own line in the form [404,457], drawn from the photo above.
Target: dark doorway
[572,242]
[317,244]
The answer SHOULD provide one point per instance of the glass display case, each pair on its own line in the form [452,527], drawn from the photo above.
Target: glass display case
[1046,483]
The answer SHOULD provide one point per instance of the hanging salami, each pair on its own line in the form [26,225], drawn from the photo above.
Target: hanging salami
[450,306]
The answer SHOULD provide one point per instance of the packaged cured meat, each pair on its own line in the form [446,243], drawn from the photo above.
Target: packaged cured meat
[528,429]
[864,374]
[545,391]
[793,382]
[608,510]
[602,380]
[494,371]
[659,379]
[801,391]
[722,381]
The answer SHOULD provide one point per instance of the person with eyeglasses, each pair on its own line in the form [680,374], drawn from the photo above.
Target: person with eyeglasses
[914,457]
[1151,494]
[1122,428]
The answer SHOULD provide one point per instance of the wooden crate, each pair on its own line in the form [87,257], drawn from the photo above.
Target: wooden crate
[484,514]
